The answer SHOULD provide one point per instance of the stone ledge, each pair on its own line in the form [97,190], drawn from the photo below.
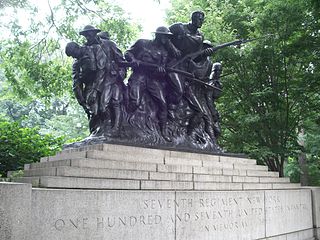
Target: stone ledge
[101,173]
[171,176]
[238,160]
[253,173]
[217,186]
[286,185]
[113,164]
[34,181]
[141,158]
[166,185]
[182,161]
[174,168]
[88,183]
[211,178]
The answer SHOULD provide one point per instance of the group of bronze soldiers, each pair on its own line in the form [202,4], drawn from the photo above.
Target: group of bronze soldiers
[172,67]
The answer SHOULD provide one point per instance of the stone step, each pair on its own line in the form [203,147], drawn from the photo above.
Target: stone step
[88,183]
[182,161]
[237,160]
[253,173]
[94,163]
[66,171]
[245,179]
[123,149]
[64,159]
[128,170]
[120,165]
[166,185]
[101,173]
[71,171]
[250,167]
[274,180]
[84,148]
[125,157]
[228,169]
[50,171]
[113,164]
[98,183]
[211,178]
[243,186]
[194,156]
[34,181]
[217,186]
[171,176]
[112,149]
[68,156]
[174,168]
[48,164]
[170,155]
[286,185]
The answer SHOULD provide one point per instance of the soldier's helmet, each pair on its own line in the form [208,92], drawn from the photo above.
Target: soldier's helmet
[196,14]
[89,28]
[104,35]
[71,49]
[163,30]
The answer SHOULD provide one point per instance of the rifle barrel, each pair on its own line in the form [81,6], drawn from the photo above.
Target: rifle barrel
[170,69]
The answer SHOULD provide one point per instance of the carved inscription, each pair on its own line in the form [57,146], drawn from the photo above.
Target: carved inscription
[225,214]
[288,211]
[109,222]
[209,214]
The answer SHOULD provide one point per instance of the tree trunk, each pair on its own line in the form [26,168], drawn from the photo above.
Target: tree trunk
[281,173]
[302,159]
[304,176]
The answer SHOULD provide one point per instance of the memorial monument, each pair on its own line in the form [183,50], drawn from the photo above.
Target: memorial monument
[169,99]
[152,167]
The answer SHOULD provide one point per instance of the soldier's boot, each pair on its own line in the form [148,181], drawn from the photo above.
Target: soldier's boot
[117,120]
[217,129]
[172,111]
[193,123]
[210,131]
[164,132]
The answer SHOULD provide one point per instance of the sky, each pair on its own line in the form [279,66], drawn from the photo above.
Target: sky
[149,13]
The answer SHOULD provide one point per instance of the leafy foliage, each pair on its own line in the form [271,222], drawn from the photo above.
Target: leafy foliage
[36,98]
[19,146]
[12,3]
[31,77]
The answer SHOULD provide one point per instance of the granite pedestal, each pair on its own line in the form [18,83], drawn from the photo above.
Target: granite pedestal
[114,192]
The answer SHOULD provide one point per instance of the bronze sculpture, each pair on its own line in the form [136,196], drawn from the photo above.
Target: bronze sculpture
[148,79]
[169,99]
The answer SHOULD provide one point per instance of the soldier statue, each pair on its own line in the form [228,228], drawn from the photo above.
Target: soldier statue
[149,58]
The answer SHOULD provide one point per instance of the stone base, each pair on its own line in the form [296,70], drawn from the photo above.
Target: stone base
[15,211]
[69,214]
[117,192]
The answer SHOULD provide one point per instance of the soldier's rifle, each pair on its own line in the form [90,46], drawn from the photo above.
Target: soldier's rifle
[214,49]
[190,76]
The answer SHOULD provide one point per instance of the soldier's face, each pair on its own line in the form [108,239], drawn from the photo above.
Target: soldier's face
[90,36]
[197,20]
[163,39]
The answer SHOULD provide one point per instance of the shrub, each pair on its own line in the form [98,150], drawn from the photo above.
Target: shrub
[19,146]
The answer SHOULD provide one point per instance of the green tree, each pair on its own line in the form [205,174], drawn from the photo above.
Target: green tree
[19,146]
[35,74]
